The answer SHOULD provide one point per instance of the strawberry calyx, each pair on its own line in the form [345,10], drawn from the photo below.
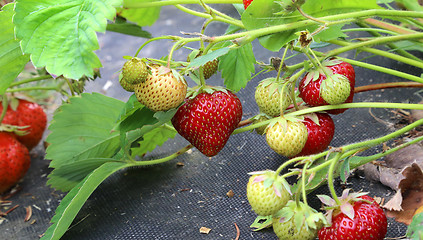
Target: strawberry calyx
[261,117]
[270,178]
[344,206]
[302,214]
[283,121]
[17,130]
[193,92]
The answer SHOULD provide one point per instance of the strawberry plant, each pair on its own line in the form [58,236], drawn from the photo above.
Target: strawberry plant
[312,81]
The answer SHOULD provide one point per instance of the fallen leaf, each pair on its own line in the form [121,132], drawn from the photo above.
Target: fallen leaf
[205,230]
[411,192]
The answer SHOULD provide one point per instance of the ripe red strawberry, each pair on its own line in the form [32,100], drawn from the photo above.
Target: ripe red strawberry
[297,221]
[316,91]
[14,161]
[267,192]
[246,3]
[210,68]
[208,119]
[28,114]
[163,89]
[268,97]
[355,219]
[286,137]
[320,129]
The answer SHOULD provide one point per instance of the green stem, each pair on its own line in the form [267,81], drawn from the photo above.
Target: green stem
[13,84]
[331,171]
[155,39]
[165,159]
[376,33]
[373,31]
[31,89]
[220,18]
[385,138]
[361,46]
[382,69]
[5,105]
[365,65]
[329,107]
[371,158]
[303,183]
[143,4]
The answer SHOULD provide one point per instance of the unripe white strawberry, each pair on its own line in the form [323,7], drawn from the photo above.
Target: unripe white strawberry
[162,90]
[267,192]
[287,137]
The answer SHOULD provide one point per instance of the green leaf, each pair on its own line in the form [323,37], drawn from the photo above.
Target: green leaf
[82,130]
[345,170]
[415,229]
[411,5]
[61,35]
[237,66]
[146,122]
[69,175]
[266,13]
[12,60]
[201,60]
[152,139]
[141,16]
[128,29]
[76,198]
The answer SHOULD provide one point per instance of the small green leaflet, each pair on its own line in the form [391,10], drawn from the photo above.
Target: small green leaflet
[140,16]
[61,35]
[152,139]
[261,14]
[415,229]
[127,28]
[201,60]
[81,130]
[12,60]
[76,198]
[237,66]
[69,175]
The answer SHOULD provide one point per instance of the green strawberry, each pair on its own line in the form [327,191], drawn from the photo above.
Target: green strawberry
[163,89]
[134,71]
[260,118]
[297,221]
[336,89]
[267,192]
[210,68]
[268,98]
[125,85]
[287,137]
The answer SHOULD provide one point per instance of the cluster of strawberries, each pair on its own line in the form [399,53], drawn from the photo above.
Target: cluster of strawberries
[22,129]
[208,116]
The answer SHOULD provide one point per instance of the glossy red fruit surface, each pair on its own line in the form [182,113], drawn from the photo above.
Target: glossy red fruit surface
[14,161]
[319,135]
[28,114]
[207,120]
[310,90]
[369,223]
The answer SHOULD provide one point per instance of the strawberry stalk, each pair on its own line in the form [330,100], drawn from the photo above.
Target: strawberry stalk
[28,80]
[331,171]
[362,46]
[5,105]
[165,159]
